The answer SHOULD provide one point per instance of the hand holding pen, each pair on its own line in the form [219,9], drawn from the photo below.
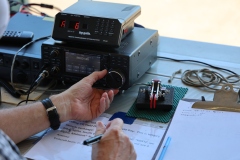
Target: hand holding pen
[113,143]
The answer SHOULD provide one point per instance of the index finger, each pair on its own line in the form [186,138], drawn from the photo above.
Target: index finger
[95,76]
[116,123]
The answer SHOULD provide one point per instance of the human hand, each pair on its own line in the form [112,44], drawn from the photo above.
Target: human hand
[114,144]
[83,102]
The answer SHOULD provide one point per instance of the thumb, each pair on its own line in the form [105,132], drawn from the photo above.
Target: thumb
[100,128]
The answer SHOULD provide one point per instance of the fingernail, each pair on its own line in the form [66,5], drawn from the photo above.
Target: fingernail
[97,123]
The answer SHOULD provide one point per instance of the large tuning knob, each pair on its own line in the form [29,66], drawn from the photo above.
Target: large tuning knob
[115,78]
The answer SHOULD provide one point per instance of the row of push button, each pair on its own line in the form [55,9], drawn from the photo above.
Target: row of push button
[12,33]
[104,27]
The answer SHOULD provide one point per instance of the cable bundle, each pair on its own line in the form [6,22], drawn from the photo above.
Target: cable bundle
[207,78]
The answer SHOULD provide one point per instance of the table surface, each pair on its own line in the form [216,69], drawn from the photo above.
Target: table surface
[188,30]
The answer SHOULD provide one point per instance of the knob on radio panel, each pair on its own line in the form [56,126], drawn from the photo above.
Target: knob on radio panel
[115,78]
[54,53]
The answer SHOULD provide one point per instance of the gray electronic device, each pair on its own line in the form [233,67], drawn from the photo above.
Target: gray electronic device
[94,22]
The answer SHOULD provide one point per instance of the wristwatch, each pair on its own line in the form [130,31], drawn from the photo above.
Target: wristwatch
[52,113]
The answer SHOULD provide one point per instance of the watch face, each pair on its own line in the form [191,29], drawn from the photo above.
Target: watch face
[4,15]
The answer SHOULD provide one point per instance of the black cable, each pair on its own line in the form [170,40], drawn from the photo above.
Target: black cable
[43,5]
[10,87]
[24,101]
[187,60]
[34,82]
[26,45]
[239,96]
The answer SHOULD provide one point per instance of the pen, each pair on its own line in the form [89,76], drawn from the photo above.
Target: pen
[92,140]
[164,148]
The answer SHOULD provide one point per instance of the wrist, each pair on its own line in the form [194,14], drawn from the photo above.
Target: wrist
[63,107]
[52,113]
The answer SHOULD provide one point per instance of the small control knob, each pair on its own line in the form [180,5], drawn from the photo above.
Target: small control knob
[55,70]
[115,78]
[54,53]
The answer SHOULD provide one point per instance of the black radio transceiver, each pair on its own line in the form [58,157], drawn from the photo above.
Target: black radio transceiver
[125,64]
[94,22]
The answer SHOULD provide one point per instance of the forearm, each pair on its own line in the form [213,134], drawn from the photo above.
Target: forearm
[24,121]
[21,122]
[79,102]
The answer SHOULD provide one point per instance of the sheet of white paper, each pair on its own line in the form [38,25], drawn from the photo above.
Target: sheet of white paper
[203,134]
[66,143]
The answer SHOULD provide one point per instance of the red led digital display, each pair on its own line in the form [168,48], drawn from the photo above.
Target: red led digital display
[62,24]
[73,25]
